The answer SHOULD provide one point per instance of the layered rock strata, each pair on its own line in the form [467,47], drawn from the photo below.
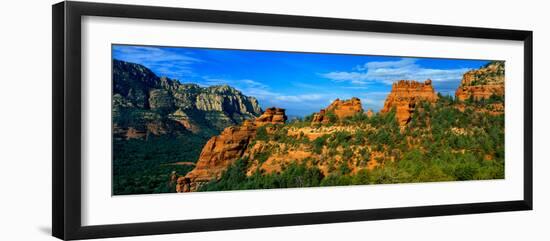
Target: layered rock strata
[482,83]
[272,116]
[145,104]
[340,108]
[404,97]
[223,150]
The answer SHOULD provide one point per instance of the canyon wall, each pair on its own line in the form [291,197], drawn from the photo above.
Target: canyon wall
[145,104]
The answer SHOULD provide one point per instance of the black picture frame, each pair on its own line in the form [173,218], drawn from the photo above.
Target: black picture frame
[66,127]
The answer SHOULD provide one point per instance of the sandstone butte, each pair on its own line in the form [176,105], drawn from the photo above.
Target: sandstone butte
[340,108]
[223,150]
[404,96]
[482,83]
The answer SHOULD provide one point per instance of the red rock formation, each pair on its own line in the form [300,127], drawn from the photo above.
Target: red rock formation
[319,117]
[142,132]
[340,108]
[479,92]
[223,150]
[220,152]
[404,96]
[183,184]
[133,133]
[482,83]
[272,116]
[369,113]
[346,108]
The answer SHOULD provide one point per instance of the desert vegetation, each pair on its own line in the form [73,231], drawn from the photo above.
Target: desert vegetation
[170,137]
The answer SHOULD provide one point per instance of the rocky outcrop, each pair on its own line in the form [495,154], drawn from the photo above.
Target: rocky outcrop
[272,116]
[369,113]
[160,100]
[226,99]
[482,83]
[345,108]
[404,96]
[133,83]
[340,108]
[223,150]
[185,120]
[479,92]
[183,184]
[320,117]
[142,100]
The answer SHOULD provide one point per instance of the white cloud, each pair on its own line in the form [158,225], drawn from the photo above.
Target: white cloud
[243,83]
[143,53]
[299,98]
[307,86]
[307,102]
[387,64]
[163,61]
[353,77]
[259,90]
[246,86]
[299,104]
[390,71]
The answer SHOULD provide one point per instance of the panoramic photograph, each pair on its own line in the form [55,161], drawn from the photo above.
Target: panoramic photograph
[188,119]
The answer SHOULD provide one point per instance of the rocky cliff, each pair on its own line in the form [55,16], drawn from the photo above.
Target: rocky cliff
[145,104]
[219,153]
[404,96]
[482,83]
[340,109]
[223,150]
[272,116]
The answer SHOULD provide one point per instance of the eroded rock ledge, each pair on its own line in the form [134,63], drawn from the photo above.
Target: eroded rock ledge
[223,150]
[340,108]
[482,83]
[404,96]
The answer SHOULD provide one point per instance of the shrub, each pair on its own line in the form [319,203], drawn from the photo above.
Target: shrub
[318,144]
[261,134]
[332,118]
[344,168]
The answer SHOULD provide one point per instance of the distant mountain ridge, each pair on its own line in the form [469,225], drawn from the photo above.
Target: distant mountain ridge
[145,104]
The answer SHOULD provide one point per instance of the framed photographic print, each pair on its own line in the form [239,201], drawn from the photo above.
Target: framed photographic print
[170,120]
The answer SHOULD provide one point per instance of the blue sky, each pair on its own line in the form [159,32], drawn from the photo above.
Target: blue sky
[302,83]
